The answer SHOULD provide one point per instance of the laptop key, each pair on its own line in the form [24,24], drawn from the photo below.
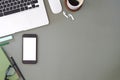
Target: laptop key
[1,14]
[13,11]
[22,9]
[33,6]
[35,1]
[26,8]
[36,5]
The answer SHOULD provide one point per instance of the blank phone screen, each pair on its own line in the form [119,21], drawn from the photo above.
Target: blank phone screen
[29,48]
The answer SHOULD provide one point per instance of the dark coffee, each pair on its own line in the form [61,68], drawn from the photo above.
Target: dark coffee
[73,2]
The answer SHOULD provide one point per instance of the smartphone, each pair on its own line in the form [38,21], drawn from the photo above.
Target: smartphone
[29,48]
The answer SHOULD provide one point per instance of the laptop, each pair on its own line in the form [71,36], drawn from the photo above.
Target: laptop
[20,15]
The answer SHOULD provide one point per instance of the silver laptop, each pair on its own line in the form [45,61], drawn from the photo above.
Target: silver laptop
[20,15]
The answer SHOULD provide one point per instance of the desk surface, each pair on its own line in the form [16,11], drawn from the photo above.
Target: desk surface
[85,49]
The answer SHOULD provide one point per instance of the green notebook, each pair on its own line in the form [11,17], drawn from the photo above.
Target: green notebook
[5,67]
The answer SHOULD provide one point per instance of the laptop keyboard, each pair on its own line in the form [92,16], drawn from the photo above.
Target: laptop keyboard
[13,6]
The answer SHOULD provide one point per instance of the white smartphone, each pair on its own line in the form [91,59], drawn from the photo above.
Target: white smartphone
[29,44]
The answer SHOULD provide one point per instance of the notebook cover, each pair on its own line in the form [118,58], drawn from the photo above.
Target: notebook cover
[4,63]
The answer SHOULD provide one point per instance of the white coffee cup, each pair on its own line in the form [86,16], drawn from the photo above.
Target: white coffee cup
[76,7]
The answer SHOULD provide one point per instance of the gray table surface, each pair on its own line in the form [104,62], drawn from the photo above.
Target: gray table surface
[85,49]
